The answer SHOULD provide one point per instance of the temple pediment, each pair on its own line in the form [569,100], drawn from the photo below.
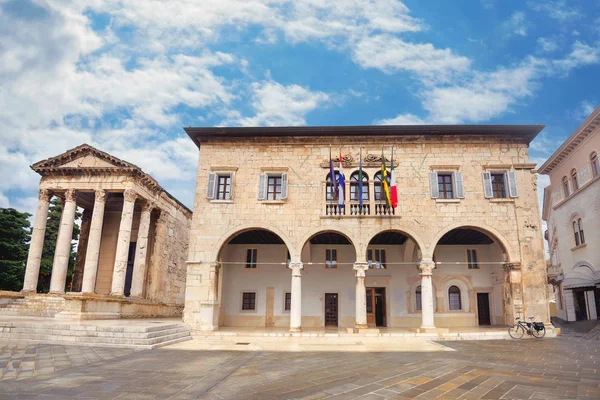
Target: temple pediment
[84,157]
[88,161]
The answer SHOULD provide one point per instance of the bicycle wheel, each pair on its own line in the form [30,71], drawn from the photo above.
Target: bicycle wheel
[539,334]
[516,331]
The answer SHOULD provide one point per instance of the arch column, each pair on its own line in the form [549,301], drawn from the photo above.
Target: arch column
[60,264]
[92,255]
[34,258]
[141,252]
[296,301]
[360,269]
[122,252]
[426,271]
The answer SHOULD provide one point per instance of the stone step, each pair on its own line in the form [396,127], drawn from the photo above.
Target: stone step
[91,327]
[94,341]
[94,333]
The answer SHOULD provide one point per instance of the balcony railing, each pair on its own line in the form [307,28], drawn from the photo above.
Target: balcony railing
[354,209]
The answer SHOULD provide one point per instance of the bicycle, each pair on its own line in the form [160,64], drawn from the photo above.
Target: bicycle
[535,329]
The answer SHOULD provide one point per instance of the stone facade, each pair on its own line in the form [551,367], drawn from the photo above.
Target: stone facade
[512,268]
[133,241]
[572,211]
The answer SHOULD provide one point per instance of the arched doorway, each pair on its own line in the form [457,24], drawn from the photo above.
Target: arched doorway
[469,277]
[254,285]
[328,281]
[392,280]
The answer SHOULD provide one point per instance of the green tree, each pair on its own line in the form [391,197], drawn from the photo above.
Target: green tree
[54,213]
[15,234]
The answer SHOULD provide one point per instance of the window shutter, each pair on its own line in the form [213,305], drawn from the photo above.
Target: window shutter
[211,187]
[262,186]
[512,184]
[487,185]
[284,186]
[433,184]
[230,194]
[457,181]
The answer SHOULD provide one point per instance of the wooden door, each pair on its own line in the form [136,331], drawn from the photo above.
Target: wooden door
[483,308]
[371,307]
[331,309]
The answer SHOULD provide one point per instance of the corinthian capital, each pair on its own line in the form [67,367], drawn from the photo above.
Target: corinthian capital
[100,195]
[130,195]
[44,195]
[70,195]
[426,266]
[148,206]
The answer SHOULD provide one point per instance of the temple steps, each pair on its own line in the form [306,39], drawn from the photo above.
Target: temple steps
[32,306]
[137,337]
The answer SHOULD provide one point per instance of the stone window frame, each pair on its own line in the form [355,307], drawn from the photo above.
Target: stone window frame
[456,181]
[511,190]
[574,180]
[214,173]
[464,295]
[249,311]
[411,307]
[252,256]
[263,184]
[595,164]
[578,232]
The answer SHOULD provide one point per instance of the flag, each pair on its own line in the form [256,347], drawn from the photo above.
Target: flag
[332,176]
[341,186]
[384,178]
[393,189]
[360,181]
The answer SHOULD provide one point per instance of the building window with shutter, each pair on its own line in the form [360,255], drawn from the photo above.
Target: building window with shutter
[472,259]
[454,298]
[251,256]
[445,187]
[595,164]
[249,301]
[223,187]
[288,301]
[331,258]
[274,187]
[498,186]
[578,232]
[418,304]
[379,261]
[565,184]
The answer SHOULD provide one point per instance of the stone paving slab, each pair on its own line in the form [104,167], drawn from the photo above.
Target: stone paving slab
[561,368]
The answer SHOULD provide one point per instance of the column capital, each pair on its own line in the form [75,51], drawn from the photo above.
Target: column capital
[70,195]
[148,206]
[360,268]
[130,195]
[296,267]
[100,195]
[426,266]
[44,195]
[214,266]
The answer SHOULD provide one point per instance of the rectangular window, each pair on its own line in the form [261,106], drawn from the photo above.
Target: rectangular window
[249,301]
[379,262]
[288,301]
[274,186]
[498,186]
[224,187]
[251,255]
[445,186]
[331,258]
[472,259]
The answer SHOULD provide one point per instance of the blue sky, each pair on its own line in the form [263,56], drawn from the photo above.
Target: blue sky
[127,75]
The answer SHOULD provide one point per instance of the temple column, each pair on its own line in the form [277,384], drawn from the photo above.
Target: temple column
[79,266]
[36,247]
[296,300]
[60,265]
[426,270]
[122,252]
[360,269]
[92,255]
[139,266]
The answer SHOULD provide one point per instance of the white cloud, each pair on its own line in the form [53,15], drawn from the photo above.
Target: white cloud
[547,45]
[581,55]
[402,119]
[555,9]
[546,144]
[516,25]
[4,202]
[390,54]
[584,109]
[488,3]
[275,104]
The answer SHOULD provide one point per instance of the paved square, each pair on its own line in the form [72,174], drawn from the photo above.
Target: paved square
[528,369]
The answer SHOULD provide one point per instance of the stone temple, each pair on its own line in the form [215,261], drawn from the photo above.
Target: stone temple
[270,243]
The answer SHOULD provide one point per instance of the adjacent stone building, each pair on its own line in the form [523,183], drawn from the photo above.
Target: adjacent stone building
[132,246]
[270,245]
[572,211]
